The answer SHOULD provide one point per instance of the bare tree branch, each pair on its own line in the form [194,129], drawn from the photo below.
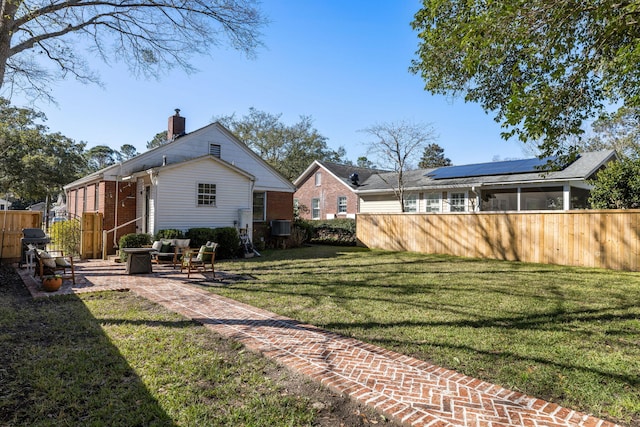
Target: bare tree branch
[149,36]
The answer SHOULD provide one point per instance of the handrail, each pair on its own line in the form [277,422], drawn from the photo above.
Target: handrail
[105,233]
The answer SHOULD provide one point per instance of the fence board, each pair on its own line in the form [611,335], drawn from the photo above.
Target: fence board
[607,239]
[12,223]
[91,238]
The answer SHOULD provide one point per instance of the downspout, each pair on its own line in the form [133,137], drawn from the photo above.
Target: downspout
[115,219]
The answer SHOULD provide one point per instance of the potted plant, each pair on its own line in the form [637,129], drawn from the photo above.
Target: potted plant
[52,283]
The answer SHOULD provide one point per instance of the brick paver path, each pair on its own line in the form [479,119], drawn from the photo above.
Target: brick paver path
[410,391]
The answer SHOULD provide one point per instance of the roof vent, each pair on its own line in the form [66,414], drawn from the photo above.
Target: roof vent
[354,178]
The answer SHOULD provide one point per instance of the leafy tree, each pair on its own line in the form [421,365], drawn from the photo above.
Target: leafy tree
[127,151]
[40,39]
[617,186]
[619,131]
[34,163]
[101,156]
[159,139]
[363,162]
[543,67]
[396,146]
[289,149]
[433,157]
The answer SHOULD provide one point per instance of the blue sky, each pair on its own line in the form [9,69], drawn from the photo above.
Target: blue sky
[344,63]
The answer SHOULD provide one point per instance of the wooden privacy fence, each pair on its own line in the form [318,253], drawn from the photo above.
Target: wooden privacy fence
[12,223]
[91,237]
[603,238]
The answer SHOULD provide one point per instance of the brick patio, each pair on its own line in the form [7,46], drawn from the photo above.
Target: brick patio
[410,391]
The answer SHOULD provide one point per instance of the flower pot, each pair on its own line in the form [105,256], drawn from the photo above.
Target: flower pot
[51,284]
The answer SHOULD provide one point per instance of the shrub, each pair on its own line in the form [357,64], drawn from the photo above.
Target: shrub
[228,241]
[133,240]
[226,237]
[66,235]
[334,232]
[200,236]
[170,233]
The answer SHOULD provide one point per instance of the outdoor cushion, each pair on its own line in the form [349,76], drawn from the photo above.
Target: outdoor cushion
[182,243]
[61,262]
[157,245]
[46,258]
[205,253]
[166,248]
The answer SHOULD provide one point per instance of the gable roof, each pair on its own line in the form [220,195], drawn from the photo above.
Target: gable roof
[339,171]
[581,169]
[153,158]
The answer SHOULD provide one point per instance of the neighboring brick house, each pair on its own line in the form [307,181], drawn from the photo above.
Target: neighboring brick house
[327,190]
[206,178]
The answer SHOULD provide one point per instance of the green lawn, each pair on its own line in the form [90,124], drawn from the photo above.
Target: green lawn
[115,359]
[568,335]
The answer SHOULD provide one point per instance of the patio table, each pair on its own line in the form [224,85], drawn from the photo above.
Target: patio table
[138,260]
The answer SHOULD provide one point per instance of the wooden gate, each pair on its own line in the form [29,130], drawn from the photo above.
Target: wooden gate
[91,238]
[11,224]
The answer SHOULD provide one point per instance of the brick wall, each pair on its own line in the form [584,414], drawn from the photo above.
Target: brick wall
[327,193]
[279,205]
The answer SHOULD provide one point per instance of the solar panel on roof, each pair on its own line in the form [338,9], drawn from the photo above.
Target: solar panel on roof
[508,167]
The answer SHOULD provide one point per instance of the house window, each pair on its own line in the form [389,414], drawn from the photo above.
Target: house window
[206,194]
[2,206]
[541,198]
[499,200]
[411,203]
[259,205]
[318,179]
[96,202]
[315,208]
[432,202]
[457,202]
[214,150]
[342,204]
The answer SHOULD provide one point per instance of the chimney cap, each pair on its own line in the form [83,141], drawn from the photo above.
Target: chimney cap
[177,110]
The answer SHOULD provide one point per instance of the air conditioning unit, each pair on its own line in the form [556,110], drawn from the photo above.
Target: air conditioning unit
[280,227]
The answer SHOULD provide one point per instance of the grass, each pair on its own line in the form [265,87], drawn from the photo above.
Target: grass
[114,359]
[564,334]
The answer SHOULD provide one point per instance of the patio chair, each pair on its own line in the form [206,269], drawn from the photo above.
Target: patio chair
[201,260]
[48,264]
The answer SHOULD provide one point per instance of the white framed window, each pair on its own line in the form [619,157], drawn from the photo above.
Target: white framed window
[433,202]
[318,179]
[458,202]
[259,206]
[206,194]
[411,203]
[214,150]
[342,204]
[315,208]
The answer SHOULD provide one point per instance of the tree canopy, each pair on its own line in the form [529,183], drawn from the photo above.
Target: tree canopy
[42,40]
[542,67]
[33,162]
[617,186]
[433,157]
[289,149]
[619,131]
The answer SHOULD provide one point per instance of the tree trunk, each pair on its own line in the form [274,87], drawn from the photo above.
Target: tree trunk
[8,10]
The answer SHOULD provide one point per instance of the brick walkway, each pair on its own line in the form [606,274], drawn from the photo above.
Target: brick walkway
[410,391]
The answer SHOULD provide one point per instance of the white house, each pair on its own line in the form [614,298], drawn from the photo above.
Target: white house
[516,185]
[206,178]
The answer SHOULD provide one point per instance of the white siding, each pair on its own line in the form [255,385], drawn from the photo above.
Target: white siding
[176,203]
[379,204]
[196,144]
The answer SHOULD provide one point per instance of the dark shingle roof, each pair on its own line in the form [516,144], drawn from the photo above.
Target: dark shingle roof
[583,168]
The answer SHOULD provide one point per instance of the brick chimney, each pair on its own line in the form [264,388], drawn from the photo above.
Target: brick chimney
[176,126]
